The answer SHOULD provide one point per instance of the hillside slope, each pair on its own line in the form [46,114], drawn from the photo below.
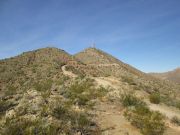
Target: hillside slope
[111,66]
[95,57]
[37,97]
[48,91]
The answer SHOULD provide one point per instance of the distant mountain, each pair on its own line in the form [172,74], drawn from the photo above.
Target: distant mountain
[173,76]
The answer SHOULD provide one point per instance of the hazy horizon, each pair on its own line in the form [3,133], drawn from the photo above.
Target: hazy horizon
[144,34]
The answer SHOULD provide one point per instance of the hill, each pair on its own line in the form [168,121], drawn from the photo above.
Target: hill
[95,57]
[111,66]
[173,76]
[48,91]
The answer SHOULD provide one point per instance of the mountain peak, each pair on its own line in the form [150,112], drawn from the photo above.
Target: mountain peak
[98,58]
[48,49]
[94,56]
[92,50]
[43,55]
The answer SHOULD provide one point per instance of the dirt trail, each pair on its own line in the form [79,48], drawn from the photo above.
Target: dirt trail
[104,65]
[167,111]
[112,121]
[105,82]
[68,73]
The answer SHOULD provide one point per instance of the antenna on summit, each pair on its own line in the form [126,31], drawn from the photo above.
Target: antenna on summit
[93,45]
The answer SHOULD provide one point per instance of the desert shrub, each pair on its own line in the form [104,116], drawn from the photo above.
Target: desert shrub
[45,110]
[129,80]
[20,72]
[177,105]
[22,110]
[2,69]
[175,120]
[7,76]
[170,101]
[46,94]
[82,120]
[101,91]
[61,80]
[11,90]
[59,63]
[140,116]
[81,92]
[44,85]
[75,71]
[21,126]
[130,100]
[79,121]
[153,124]
[61,112]
[155,98]
[149,122]
[166,99]
[82,100]
[82,123]
[34,69]
[4,106]
[147,88]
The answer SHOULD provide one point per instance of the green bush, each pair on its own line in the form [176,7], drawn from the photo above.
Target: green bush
[129,80]
[81,92]
[82,123]
[149,122]
[177,105]
[153,124]
[175,120]
[43,86]
[79,122]
[67,122]
[21,126]
[140,116]
[4,106]
[170,101]
[11,90]
[45,110]
[101,92]
[61,80]
[155,98]
[130,100]
[61,112]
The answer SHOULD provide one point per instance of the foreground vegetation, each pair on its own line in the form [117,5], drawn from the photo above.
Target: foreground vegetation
[149,122]
[67,113]
[155,98]
[37,99]
[175,120]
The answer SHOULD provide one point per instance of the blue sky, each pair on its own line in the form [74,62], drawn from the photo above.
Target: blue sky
[142,33]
